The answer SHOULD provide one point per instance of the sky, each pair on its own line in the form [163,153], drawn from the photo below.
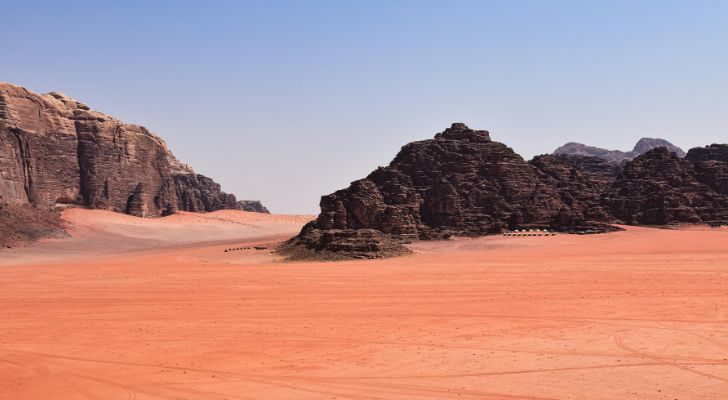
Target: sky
[285,101]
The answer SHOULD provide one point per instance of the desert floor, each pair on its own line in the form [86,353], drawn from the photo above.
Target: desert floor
[155,309]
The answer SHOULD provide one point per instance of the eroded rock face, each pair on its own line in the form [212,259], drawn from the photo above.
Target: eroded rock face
[659,188]
[462,183]
[56,151]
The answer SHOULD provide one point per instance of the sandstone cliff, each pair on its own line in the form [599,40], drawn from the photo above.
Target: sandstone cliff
[55,151]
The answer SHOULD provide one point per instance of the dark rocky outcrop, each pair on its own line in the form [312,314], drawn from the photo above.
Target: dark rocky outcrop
[459,183]
[660,188]
[197,192]
[616,156]
[714,152]
[341,244]
[579,182]
[252,206]
[55,151]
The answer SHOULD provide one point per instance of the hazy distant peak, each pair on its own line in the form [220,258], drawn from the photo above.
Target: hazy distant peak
[579,149]
[646,144]
[643,145]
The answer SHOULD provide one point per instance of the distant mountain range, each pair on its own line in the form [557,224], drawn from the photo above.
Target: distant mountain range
[643,146]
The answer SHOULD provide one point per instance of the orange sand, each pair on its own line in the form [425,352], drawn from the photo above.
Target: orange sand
[641,314]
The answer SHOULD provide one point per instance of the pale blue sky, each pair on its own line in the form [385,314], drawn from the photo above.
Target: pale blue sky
[286,101]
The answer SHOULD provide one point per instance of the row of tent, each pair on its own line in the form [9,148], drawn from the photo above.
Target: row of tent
[535,232]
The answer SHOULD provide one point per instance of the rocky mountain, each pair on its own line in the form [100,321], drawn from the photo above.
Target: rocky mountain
[459,183]
[463,183]
[56,151]
[616,156]
[659,187]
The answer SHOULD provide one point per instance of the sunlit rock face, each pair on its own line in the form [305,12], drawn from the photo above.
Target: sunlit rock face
[56,151]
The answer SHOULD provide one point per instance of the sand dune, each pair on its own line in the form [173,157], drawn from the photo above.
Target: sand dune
[97,233]
[638,314]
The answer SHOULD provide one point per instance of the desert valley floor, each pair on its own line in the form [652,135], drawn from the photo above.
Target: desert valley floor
[130,308]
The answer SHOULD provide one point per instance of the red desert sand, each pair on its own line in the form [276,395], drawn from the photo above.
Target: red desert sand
[134,308]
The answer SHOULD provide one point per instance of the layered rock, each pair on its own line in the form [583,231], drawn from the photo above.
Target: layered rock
[459,183]
[580,182]
[55,151]
[660,188]
[617,156]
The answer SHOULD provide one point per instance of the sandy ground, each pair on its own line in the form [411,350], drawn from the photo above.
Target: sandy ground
[640,314]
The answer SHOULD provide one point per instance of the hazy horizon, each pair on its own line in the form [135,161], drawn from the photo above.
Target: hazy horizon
[285,101]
